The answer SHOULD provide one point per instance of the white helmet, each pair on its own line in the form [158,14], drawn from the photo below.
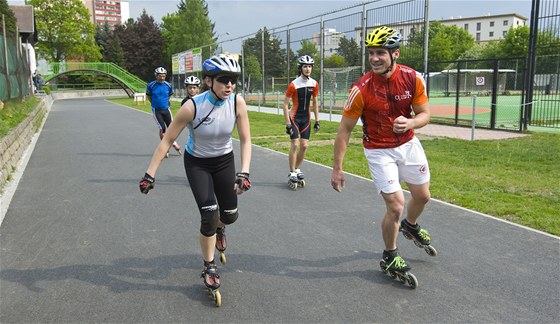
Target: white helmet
[306,59]
[160,70]
[220,64]
[192,80]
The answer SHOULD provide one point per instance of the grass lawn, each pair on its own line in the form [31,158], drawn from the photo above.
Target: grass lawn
[14,113]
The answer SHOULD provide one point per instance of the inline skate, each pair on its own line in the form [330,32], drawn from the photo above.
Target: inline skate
[293,180]
[221,243]
[420,237]
[394,265]
[177,148]
[300,177]
[212,281]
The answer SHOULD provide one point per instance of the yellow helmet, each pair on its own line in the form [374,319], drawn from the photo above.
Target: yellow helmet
[383,37]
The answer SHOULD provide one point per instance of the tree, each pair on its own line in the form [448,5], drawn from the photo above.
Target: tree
[110,44]
[253,75]
[275,56]
[187,28]
[65,31]
[335,61]
[350,51]
[142,45]
[10,18]
[515,43]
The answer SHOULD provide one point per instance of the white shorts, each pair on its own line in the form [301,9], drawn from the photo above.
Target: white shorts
[388,167]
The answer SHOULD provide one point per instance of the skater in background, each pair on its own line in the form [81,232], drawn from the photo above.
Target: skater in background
[391,101]
[303,92]
[158,92]
[192,84]
[209,161]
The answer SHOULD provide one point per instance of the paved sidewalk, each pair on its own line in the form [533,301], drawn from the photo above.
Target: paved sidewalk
[430,130]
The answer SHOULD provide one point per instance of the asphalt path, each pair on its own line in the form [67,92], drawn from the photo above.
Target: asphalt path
[79,243]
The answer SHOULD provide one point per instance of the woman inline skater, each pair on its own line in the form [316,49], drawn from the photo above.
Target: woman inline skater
[209,161]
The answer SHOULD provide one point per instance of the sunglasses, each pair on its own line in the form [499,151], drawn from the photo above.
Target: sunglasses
[225,79]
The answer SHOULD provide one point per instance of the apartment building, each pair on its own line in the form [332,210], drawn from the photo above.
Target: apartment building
[487,28]
[112,12]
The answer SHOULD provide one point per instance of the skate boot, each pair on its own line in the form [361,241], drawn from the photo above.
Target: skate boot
[293,180]
[300,177]
[395,266]
[221,243]
[212,281]
[177,148]
[420,237]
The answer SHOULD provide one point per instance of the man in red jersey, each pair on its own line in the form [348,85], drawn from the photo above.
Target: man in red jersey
[391,102]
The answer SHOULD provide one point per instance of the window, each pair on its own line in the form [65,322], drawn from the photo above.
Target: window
[478,25]
[504,33]
[491,34]
[491,24]
[505,22]
[478,36]
[466,27]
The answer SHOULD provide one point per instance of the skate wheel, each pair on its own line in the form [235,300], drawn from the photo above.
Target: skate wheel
[292,185]
[301,183]
[382,266]
[167,154]
[412,281]
[217,298]
[223,259]
[430,250]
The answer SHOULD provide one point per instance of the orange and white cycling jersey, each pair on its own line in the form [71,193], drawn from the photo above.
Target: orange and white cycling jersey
[301,90]
[379,101]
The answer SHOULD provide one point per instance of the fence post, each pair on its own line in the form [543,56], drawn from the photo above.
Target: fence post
[494,105]
[530,63]
[6,57]
[473,117]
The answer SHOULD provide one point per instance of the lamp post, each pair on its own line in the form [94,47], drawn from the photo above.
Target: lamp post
[218,43]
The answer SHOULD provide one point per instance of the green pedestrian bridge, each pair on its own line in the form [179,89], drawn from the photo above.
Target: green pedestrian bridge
[127,81]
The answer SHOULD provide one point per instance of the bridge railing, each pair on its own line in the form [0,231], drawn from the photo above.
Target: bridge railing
[132,81]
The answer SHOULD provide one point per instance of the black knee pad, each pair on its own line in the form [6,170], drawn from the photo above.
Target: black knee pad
[229,216]
[209,220]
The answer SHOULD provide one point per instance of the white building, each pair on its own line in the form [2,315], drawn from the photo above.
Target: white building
[332,39]
[482,28]
[487,28]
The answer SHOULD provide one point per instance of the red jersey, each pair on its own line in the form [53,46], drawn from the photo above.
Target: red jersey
[379,101]
[301,90]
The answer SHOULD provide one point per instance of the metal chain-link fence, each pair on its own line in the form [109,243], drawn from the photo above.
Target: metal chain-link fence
[334,40]
[15,76]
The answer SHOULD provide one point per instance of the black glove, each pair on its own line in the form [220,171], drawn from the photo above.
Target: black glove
[316,126]
[289,129]
[147,183]
[242,182]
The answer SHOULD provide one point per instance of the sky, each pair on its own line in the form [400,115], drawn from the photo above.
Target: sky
[244,17]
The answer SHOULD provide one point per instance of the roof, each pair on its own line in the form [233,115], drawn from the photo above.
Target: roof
[484,17]
[25,18]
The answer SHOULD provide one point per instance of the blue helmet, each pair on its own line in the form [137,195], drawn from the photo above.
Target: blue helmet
[220,64]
